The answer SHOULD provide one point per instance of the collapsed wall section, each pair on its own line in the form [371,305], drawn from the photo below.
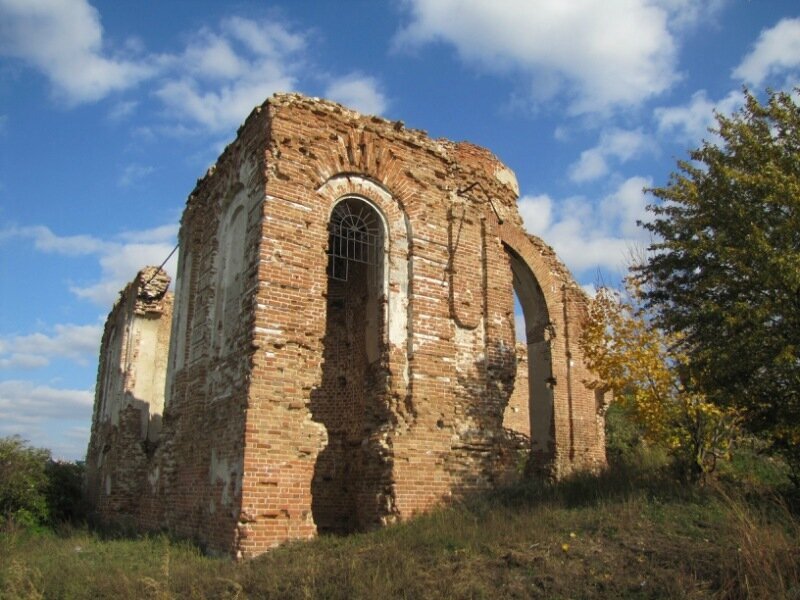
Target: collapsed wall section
[129,395]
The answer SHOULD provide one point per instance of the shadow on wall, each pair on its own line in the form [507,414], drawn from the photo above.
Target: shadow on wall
[486,454]
[351,488]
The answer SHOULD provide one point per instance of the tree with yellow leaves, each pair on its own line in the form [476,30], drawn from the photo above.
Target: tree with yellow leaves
[642,366]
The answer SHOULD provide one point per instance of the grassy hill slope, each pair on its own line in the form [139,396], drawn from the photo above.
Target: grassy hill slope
[632,532]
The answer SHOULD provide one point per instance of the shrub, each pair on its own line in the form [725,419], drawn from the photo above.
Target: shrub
[23,482]
[65,491]
[36,490]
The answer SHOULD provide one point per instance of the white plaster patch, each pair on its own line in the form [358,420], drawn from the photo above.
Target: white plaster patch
[268,331]
[426,337]
[152,478]
[506,176]
[228,473]
[298,206]
[439,282]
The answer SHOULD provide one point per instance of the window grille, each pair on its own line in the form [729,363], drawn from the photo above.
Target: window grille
[354,236]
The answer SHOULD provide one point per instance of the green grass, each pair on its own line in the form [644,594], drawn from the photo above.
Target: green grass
[632,532]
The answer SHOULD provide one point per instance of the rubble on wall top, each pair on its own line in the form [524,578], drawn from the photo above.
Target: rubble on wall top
[448,150]
[469,160]
[151,284]
[439,146]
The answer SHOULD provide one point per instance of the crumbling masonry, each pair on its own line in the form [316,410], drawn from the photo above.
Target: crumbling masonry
[341,350]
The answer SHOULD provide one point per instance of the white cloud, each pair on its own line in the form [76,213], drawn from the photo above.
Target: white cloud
[40,414]
[119,258]
[359,92]
[536,212]
[158,234]
[134,173]
[689,13]
[622,145]
[601,54]
[776,52]
[26,400]
[120,262]
[264,38]
[209,85]
[64,40]
[625,206]
[222,75]
[590,235]
[46,241]
[123,110]
[75,342]
[212,57]
[690,122]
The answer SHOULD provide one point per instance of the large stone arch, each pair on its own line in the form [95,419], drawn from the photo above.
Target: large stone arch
[566,427]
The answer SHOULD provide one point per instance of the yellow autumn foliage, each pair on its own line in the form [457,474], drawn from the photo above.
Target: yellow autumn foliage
[642,366]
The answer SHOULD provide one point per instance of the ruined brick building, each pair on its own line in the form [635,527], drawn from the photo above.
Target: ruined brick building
[340,352]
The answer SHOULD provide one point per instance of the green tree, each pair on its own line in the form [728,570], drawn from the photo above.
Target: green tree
[23,482]
[724,271]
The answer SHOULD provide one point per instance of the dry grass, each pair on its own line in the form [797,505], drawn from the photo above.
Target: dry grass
[627,533]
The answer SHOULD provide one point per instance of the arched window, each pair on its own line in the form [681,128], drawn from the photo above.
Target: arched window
[355,235]
[350,473]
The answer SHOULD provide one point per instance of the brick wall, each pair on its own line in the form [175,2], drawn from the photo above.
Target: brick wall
[297,403]
[129,395]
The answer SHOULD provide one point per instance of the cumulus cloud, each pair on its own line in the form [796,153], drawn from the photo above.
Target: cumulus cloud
[775,53]
[209,85]
[46,241]
[64,40]
[685,14]
[691,122]
[621,145]
[536,212]
[601,54]
[774,59]
[359,92]
[123,110]
[47,417]
[119,258]
[25,400]
[590,235]
[223,74]
[74,342]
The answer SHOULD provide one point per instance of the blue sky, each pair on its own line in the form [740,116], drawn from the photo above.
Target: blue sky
[110,110]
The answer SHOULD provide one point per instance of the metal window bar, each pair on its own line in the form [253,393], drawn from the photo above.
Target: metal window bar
[354,236]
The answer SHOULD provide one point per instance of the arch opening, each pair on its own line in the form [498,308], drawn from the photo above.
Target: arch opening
[351,473]
[536,335]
